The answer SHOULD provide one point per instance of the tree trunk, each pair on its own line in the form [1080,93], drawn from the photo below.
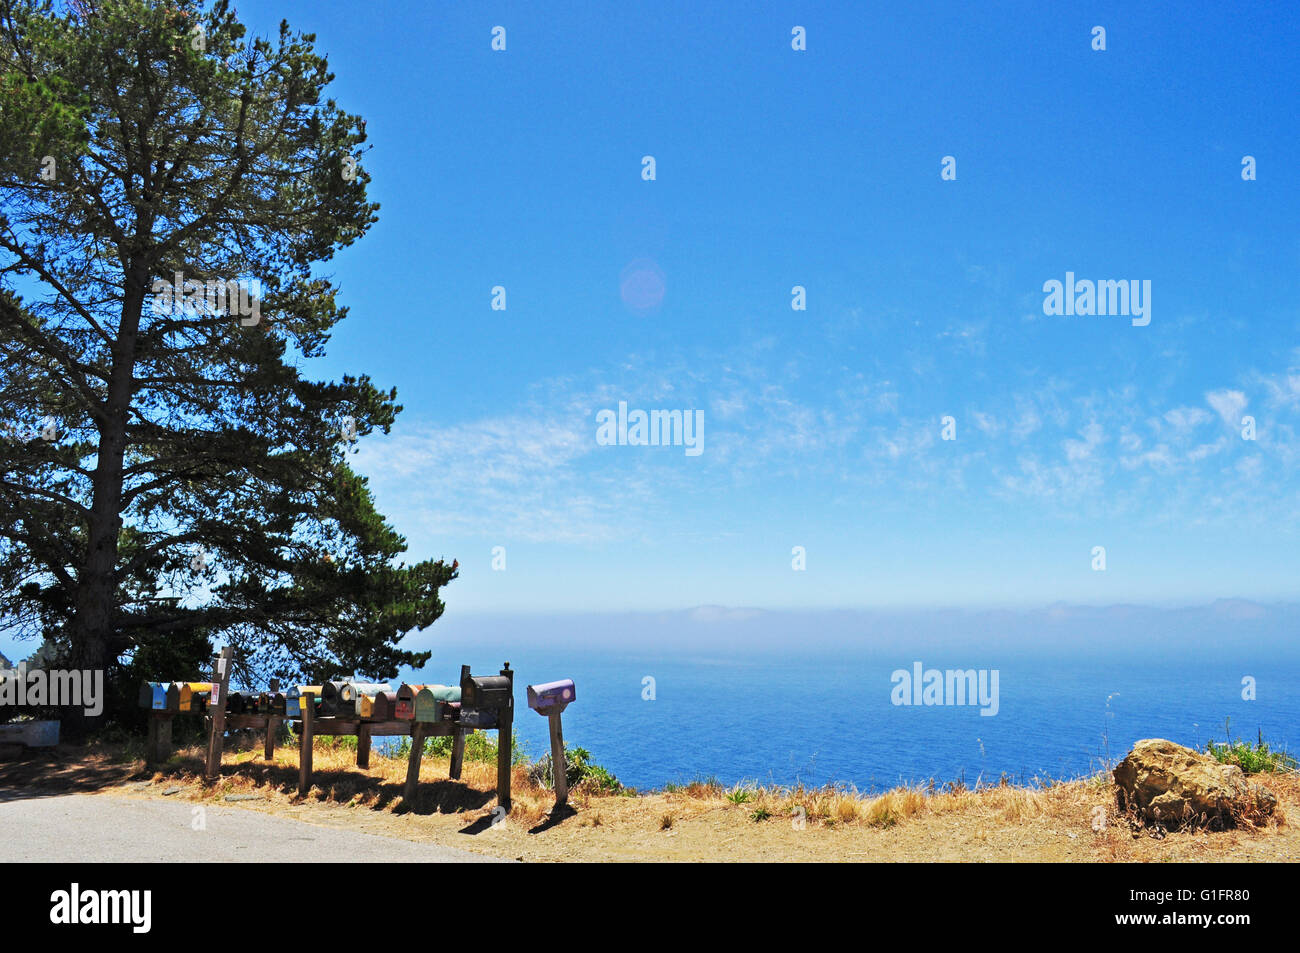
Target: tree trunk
[92,634]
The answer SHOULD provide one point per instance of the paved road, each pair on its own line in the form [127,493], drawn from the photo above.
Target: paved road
[82,827]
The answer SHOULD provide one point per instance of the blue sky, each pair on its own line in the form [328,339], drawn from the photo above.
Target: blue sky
[821,168]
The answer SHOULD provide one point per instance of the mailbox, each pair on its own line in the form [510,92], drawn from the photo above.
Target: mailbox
[366,706]
[353,692]
[236,703]
[548,700]
[172,696]
[293,701]
[431,702]
[264,703]
[478,717]
[331,700]
[485,691]
[551,696]
[153,695]
[194,695]
[384,706]
[405,709]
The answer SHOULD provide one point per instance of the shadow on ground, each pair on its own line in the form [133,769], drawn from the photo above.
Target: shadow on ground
[72,770]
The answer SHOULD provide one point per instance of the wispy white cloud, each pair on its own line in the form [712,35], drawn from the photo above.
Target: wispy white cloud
[1228,404]
[536,473]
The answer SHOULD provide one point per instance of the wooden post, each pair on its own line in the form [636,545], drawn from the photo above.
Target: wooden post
[272,724]
[151,740]
[458,738]
[559,767]
[305,742]
[505,743]
[457,753]
[217,721]
[159,745]
[363,746]
[413,766]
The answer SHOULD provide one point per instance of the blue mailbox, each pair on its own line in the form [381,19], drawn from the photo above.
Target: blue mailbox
[551,696]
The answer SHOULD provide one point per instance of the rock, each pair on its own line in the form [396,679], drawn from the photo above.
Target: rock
[1167,784]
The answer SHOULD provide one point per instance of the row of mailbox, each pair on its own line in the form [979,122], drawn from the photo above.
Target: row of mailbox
[475,704]
[176,696]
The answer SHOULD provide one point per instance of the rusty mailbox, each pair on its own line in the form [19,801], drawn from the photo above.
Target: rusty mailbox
[384,706]
[431,702]
[405,709]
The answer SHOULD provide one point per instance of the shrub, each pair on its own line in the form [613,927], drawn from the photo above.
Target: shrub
[1252,759]
[579,769]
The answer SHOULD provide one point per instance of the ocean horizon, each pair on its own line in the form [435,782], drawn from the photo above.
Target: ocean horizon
[719,694]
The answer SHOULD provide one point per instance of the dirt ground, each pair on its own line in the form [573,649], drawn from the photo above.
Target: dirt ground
[1075,821]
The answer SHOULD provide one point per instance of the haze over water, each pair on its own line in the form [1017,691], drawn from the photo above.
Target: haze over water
[789,697]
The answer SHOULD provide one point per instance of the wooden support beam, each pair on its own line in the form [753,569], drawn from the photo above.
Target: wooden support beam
[505,743]
[272,726]
[305,742]
[457,753]
[559,767]
[413,766]
[363,746]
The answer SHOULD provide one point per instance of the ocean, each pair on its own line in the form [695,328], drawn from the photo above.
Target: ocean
[826,714]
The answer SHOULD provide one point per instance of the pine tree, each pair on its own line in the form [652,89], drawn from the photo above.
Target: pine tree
[168,475]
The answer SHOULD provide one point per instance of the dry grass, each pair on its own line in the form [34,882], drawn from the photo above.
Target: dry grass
[338,780]
[1074,821]
[837,805]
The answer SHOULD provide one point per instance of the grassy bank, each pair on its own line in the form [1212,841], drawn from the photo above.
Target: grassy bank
[1061,821]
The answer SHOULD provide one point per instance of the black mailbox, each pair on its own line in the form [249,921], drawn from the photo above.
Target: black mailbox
[331,700]
[485,691]
[479,718]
